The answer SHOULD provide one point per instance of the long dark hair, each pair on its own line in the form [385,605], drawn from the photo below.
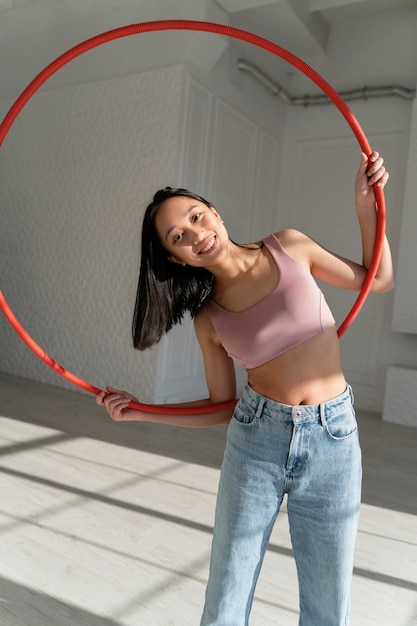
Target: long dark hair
[166,290]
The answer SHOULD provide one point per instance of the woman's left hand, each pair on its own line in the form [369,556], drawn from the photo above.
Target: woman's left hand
[371,172]
[117,403]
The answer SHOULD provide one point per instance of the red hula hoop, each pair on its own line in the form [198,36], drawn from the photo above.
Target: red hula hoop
[228,31]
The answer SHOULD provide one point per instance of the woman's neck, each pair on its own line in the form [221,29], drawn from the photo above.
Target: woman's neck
[241,260]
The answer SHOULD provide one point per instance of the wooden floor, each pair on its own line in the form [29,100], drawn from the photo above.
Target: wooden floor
[107,524]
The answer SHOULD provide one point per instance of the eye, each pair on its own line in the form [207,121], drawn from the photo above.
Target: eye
[195,217]
[177,238]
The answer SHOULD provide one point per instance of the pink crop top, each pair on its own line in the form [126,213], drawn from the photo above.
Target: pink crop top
[293,312]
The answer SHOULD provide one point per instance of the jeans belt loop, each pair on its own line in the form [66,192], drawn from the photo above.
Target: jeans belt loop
[260,407]
[322,411]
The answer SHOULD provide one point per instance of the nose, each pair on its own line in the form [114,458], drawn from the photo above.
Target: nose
[198,235]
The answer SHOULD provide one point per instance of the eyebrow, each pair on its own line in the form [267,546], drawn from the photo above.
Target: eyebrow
[171,228]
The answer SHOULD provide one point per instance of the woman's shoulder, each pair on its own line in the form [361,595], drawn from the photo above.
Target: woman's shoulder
[296,243]
[203,324]
[205,331]
[289,235]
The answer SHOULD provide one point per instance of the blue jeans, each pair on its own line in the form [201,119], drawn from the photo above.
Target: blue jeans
[312,454]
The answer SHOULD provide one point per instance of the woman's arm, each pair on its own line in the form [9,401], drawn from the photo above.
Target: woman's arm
[366,177]
[340,271]
[221,382]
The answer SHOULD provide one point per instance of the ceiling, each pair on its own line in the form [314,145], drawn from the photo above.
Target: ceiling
[19,13]
[332,10]
[35,32]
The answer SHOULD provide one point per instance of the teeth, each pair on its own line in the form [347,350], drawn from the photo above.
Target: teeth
[208,246]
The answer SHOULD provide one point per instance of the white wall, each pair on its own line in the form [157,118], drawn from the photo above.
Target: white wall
[77,169]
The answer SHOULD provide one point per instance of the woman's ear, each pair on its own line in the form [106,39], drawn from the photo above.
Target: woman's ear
[174,259]
[213,210]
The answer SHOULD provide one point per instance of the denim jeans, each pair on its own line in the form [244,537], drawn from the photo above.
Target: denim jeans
[312,454]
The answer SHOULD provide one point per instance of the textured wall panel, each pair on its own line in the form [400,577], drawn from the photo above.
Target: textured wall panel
[78,168]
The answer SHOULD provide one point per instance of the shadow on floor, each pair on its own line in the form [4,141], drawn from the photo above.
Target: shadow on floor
[21,605]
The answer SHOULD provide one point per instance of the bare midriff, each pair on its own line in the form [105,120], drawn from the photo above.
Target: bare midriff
[309,373]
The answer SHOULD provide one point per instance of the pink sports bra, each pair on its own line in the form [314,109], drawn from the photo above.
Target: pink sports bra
[293,312]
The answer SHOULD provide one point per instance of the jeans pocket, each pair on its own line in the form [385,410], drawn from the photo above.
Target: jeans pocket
[341,425]
[244,415]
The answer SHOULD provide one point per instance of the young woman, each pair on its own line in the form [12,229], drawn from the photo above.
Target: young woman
[293,430]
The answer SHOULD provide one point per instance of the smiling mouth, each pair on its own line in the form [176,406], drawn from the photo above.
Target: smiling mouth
[208,246]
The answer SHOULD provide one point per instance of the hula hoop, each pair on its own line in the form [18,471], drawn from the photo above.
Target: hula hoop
[228,31]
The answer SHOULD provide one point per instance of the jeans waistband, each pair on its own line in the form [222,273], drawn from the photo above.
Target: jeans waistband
[259,404]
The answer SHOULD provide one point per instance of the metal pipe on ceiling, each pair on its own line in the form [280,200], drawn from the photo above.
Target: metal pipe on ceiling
[363,93]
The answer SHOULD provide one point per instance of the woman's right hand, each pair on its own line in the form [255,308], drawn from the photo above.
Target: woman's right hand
[116,402]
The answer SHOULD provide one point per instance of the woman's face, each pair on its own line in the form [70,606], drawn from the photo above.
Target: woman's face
[191,232]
